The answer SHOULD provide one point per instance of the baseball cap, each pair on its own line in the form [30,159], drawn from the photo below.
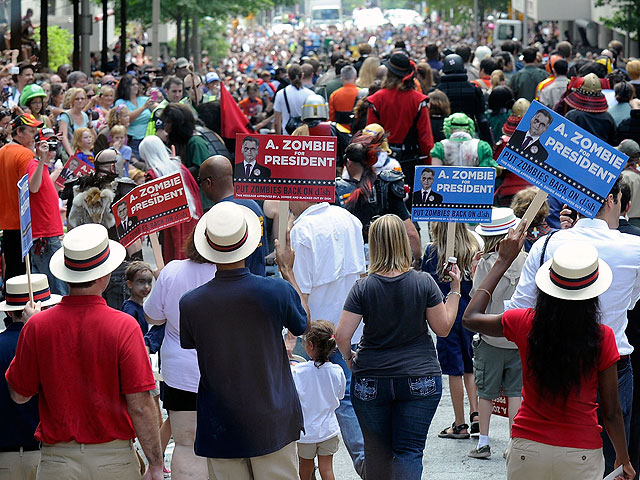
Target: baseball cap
[26,120]
[630,148]
[211,77]
[182,62]
[45,134]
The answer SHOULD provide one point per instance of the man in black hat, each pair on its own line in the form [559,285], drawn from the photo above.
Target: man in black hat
[464,96]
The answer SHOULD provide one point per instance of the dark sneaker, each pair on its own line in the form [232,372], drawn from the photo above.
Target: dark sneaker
[482,452]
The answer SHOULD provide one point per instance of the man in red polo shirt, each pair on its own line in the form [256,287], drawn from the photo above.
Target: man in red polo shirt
[89,366]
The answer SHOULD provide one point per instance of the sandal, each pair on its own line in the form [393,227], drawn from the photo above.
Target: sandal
[456,431]
[475,426]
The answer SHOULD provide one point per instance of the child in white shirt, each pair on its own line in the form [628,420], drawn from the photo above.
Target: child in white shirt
[321,385]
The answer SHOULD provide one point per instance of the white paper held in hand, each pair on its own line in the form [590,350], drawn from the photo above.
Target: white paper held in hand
[616,473]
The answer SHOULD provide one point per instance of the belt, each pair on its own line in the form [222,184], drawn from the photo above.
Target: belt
[19,449]
[114,444]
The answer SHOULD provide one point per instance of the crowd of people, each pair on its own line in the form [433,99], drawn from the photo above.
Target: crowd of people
[270,350]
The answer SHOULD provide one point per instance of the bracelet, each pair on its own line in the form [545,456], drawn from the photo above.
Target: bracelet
[485,291]
[454,293]
[347,359]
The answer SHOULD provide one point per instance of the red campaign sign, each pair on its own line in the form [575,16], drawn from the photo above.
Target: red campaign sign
[150,207]
[284,167]
[74,168]
[500,406]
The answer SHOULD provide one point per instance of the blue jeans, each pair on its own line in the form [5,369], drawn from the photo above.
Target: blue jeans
[40,255]
[349,426]
[625,395]
[395,415]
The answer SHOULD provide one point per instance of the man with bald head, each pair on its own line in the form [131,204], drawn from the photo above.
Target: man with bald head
[216,183]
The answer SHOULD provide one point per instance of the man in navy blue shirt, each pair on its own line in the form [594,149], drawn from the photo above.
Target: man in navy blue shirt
[19,450]
[248,413]
[216,183]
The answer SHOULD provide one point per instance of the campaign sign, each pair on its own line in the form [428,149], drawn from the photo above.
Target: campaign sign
[562,159]
[74,168]
[150,207]
[284,167]
[26,235]
[453,194]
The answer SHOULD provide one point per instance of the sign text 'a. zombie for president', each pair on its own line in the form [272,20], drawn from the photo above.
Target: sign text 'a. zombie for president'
[151,207]
[282,167]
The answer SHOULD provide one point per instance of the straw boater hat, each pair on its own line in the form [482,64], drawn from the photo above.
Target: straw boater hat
[17,295]
[502,219]
[227,233]
[586,95]
[574,273]
[518,110]
[86,254]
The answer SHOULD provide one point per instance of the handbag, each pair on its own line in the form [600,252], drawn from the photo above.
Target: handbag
[293,122]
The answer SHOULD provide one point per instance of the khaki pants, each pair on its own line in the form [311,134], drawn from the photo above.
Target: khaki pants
[279,465]
[77,461]
[19,465]
[529,460]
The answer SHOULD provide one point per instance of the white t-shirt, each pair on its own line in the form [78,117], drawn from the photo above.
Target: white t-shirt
[179,367]
[296,99]
[320,390]
[329,259]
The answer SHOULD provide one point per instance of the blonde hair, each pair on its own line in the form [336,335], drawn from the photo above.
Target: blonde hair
[368,72]
[491,242]
[497,78]
[633,69]
[115,113]
[389,248]
[77,137]
[521,201]
[118,130]
[70,97]
[105,90]
[465,247]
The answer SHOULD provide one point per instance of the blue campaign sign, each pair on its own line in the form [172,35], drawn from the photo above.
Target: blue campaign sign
[25,215]
[562,159]
[453,194]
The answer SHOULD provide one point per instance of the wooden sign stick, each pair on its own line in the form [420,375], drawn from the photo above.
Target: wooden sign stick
[451,239]
[157,250]
[27,261]
[534,207]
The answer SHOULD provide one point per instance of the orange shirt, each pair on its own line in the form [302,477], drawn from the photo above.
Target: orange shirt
[342,100]
[14,159]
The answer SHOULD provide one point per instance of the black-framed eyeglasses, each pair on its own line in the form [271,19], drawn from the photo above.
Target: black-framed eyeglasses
[200,180]
[110,83]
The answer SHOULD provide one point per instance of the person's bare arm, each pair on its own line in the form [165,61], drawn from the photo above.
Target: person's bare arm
[64,130]
[277,122]
[442,317]
[285,256]
[348,324]
[35,181]
[16,397]
[145,422]
[414,242]
[612,418]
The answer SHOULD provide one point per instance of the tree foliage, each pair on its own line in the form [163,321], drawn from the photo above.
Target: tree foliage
[60,45]
[625,16]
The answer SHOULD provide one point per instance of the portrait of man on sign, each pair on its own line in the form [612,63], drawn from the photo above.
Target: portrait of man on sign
[249,167]
[528,143]
[125,222]
[425,195]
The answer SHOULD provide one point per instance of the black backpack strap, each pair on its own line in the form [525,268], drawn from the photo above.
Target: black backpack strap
[286,101]
[544,247]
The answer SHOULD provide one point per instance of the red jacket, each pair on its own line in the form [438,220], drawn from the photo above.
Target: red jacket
[396,111]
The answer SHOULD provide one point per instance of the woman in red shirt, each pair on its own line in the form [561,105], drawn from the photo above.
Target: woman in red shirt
[567,356]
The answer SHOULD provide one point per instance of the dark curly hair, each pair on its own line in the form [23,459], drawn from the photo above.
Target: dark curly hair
[564,344]
[182,125]
[321,335]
